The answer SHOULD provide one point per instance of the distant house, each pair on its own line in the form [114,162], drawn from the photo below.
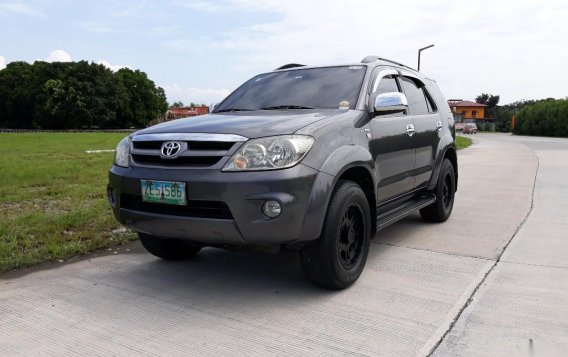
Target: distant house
[468,112]
[184,112]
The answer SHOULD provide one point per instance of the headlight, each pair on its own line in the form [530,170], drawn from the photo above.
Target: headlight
[122,151]
[276,152]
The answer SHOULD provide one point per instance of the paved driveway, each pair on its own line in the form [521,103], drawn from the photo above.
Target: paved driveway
[412,299]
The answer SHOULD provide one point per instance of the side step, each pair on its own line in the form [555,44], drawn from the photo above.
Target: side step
[389,217]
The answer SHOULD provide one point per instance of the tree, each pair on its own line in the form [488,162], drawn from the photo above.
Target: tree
[76,95]
[144,101]
[177,105]
[490,101]
[16,99]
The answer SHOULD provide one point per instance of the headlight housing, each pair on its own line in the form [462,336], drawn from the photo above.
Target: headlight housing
[271,153]
[122,151]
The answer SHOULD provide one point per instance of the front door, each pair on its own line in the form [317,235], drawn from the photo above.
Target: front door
[392,146]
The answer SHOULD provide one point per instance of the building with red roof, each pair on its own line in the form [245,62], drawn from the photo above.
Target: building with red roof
[468,110]
[184,112]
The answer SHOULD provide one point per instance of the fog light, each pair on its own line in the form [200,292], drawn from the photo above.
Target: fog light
[271,209]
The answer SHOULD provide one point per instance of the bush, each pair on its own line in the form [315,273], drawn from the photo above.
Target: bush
[544,118]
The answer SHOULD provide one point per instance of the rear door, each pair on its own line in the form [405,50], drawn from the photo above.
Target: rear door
[427,126]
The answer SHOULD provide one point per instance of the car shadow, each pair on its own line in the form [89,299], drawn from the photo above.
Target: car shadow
[401,231]
[215,272]
[216,275]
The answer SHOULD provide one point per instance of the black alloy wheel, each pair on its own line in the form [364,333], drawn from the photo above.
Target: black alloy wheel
[350,236]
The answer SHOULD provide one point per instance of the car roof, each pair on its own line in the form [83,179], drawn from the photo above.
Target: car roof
[369,62]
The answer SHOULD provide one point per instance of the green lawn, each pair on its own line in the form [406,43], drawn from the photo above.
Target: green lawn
[462,142]
[53,197]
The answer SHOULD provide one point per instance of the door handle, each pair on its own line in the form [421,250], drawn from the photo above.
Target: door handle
[438,125]
[410,129]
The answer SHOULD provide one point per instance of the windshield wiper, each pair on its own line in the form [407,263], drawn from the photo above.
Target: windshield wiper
[277,107]
[232,110]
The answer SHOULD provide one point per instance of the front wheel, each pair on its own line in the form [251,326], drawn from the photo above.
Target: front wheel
[337,258]
[167,248]
[441,210]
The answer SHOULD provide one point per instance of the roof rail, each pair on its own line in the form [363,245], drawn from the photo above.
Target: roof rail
[372,58]
[290,65]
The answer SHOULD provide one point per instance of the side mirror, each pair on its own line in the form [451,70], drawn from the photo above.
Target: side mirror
[212,106]
[392,102]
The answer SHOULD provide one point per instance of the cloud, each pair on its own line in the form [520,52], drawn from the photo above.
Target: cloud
[58,56]
[21,9]
[205,6]
[2,62]
[481,46]
[175,93]
[99,28]
[112,67]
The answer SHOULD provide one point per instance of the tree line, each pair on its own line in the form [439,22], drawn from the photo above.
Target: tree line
[77,95]
[548,117]
[544,117]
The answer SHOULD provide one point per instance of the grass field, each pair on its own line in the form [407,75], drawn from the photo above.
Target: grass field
[462,142]
[53,197]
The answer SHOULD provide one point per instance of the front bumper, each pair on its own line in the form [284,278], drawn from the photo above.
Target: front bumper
[302,192]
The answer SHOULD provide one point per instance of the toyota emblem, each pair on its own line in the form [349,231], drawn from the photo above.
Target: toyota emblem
[170,149]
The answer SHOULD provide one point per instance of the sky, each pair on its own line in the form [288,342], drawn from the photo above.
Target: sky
[199,51]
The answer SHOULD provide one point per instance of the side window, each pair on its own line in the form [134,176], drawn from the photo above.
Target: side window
[387,85]
[417,102]
[429,102]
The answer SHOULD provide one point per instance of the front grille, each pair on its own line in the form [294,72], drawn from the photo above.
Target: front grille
[147,145]
[198,161]
[195,208]
[210,145]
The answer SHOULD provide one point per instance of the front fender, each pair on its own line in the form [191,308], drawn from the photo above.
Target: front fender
[341,160]
[346,157]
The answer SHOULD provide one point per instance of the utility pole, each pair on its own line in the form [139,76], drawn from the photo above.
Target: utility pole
[420,50]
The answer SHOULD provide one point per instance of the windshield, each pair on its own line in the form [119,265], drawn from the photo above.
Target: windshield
[315,88]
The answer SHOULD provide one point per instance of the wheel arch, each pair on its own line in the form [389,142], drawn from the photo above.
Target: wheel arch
[362,176]
[447,150]
[451,154]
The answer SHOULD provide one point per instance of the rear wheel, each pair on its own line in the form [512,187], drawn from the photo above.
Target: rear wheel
[445,190]
[167,248]
[337,258]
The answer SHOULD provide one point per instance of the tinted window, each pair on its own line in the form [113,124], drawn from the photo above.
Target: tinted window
[416,99]
[429,102]
[321,88]
[387,85]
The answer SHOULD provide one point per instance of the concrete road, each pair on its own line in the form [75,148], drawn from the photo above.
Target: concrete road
[490,281]
[521,309]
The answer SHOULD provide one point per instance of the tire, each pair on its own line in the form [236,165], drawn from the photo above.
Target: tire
[441,210]
[166,248]
[336,259]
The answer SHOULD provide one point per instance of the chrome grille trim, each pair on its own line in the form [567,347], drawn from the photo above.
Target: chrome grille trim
[189,137]
[206,155]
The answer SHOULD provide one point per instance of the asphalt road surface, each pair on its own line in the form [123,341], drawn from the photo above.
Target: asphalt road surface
[493,281]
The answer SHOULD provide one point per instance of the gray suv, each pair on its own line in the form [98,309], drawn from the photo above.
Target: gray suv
[316,159]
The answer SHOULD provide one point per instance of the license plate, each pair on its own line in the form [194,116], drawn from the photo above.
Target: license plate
[171,193]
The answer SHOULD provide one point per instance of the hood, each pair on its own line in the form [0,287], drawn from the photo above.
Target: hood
[249,124]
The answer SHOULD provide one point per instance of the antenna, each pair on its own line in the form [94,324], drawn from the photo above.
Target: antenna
[420,50]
